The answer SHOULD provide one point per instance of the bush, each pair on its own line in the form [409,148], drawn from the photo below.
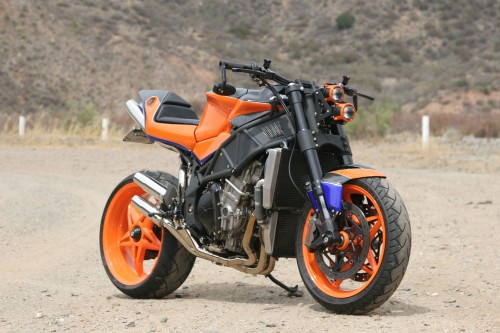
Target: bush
[345,21]
[462,83]
[239,32]
[81,115]
[86,116]
[383,118]
[374,122]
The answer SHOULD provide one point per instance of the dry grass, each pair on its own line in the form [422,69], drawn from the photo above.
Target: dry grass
[449,152]
[478,124]
[42,130]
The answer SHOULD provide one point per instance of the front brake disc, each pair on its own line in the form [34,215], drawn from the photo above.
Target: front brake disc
[344,264]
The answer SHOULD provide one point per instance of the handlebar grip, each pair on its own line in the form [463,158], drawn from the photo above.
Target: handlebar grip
[231,65]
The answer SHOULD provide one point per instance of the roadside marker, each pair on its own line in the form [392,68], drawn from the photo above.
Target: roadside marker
[425,132]
[22,125]
[105,128]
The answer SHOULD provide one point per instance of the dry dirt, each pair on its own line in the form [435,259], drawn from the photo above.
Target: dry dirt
[52,278]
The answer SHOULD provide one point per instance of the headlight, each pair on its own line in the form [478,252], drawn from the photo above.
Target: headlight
[335,93]
[347,113]
[338,94]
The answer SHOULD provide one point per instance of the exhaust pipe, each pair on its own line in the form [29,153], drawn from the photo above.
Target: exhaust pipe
[136,113]
[183,235]
[154,188]
[146,209]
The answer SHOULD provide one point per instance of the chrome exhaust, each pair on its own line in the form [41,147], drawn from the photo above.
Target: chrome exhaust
[151,186]
[146,209]
[134,110]
[183,235]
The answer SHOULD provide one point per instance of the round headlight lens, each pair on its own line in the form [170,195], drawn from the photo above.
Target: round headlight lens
[346,113]
[338,94]
[334,93]
[349,112]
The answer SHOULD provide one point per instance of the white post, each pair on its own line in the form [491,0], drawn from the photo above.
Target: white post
[22,125]
[425,132]
[105,128]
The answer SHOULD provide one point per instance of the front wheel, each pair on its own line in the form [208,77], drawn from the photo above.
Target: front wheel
[141,259]
[362,273]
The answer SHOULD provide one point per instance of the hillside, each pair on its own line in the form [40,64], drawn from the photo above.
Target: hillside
[63,58]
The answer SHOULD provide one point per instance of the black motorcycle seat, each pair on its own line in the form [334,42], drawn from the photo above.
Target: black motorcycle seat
[165,96]
[173,109]
[176,114]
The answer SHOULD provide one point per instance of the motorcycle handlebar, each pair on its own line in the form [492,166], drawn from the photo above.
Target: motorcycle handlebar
[353,92]
[254,69]
[233,65]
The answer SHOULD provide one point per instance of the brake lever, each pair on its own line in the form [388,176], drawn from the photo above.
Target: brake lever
[353,92]
[365,96]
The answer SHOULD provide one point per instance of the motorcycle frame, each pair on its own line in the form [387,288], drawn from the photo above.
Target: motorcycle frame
[209,154]
[194,175]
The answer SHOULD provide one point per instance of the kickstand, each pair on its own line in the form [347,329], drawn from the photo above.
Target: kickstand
[292,291]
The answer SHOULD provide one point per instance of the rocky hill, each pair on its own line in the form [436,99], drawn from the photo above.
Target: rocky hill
[61,57]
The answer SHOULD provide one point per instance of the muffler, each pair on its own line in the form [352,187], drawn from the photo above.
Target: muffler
[146,209]
[136,112]
[154,188]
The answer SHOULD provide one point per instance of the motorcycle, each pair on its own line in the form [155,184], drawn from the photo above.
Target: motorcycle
[263,174]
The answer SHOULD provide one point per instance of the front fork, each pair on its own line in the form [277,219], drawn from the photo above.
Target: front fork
[328,230]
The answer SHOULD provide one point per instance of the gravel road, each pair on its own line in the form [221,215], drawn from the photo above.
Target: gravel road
[52,278]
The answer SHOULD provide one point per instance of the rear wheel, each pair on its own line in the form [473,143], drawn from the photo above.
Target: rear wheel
[362,273]
[141,259]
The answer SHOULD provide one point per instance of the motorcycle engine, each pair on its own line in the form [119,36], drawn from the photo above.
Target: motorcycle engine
[233,200]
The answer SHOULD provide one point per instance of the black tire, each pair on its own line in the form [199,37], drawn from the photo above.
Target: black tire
[173,262]
[390,267]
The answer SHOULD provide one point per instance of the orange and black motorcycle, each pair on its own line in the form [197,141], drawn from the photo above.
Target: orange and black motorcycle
[264,174]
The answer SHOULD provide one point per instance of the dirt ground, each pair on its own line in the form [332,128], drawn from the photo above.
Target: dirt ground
[52,279]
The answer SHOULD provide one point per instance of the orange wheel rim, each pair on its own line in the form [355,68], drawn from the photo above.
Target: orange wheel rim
[131,242]
[351,287]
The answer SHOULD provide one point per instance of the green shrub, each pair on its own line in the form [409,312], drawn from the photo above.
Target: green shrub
[345,21]
[358,126]
[383,116]
[462,83]
[374,122]
[239,32]
[86,116]
[78,114]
